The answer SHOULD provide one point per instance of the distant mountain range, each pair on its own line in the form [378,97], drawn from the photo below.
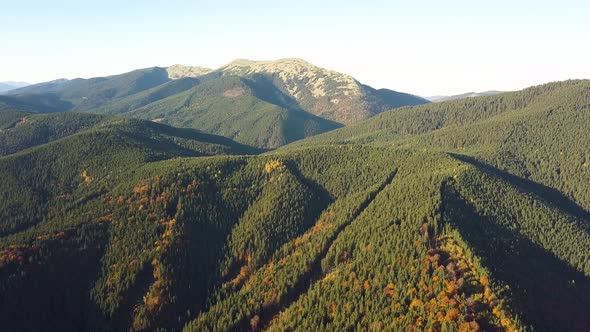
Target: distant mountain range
[9,85]
[463,95]
[260,103]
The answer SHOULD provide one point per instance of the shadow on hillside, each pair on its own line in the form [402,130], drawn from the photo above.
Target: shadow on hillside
[323,194]
[45,102]
[547,292]
[51,289]
[266,90]
[547,194]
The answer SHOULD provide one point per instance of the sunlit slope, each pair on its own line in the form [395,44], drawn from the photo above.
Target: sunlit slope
[539,133]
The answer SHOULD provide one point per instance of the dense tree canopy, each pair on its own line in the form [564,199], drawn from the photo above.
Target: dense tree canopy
[457,216]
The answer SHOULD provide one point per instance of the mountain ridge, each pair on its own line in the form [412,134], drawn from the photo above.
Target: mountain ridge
[288,99]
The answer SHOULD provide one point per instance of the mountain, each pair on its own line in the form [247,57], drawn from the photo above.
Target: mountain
[249,111]
[463,95]
[9,85]
[326,93]
[470,214]
[265,104]
[181,71]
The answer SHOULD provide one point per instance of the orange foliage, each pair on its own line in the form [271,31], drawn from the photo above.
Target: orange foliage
[484,281]
[140,189]
[451,288]
[241,276]
[107,218]
[254,322]
[390,290]
[487,294]
[271,165]
[469,327]
[416,303]
[332,308]
[452,314]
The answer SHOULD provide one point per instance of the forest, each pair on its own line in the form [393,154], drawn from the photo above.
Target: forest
[463,215]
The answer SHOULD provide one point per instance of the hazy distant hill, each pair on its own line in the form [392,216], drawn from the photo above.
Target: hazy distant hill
[464,95]
[9,85]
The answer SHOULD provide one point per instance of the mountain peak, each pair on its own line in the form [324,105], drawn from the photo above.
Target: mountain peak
[288,66]
[180,71]
[323,92]
[248,62]
[299,77]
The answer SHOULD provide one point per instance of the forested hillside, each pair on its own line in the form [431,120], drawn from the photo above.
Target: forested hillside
[33,103]
[538,134]
[241,109]
[467,215]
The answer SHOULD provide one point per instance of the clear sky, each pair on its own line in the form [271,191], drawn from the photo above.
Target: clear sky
[423,47]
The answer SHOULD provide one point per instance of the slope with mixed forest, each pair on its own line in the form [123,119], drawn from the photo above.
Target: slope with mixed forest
[463,215]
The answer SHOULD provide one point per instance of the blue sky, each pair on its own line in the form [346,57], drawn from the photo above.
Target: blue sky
[422,47]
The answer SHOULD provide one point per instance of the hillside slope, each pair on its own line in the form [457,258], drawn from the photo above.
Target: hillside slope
[534,133]
[33,103]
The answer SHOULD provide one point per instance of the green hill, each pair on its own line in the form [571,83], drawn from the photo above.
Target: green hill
[445,217]
[238,109]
